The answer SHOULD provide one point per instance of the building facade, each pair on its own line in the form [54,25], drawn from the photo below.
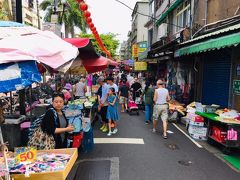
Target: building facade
[138,36]
[196,46]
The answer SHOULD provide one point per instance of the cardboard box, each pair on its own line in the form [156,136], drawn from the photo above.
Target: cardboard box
[194,136]
[58,175]
[197,131]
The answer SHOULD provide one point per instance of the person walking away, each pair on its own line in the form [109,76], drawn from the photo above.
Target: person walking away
[112,112]
[57,125]
[161,97]
[124,93]
[103,105]
[136,89]
[80,88]
[148,95]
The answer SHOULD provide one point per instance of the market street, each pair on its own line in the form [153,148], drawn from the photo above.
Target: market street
[157,159]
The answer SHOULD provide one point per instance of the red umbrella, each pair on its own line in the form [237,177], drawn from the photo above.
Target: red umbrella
[89,58]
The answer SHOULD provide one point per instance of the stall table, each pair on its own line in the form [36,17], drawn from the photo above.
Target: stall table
[214,123]
[60,175]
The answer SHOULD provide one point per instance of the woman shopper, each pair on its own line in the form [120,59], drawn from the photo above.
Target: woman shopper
[55,123]
[112,111]
[148,95]
[161,97]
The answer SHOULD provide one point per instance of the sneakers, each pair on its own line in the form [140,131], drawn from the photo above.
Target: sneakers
[154,130]
[105,129]
[101,128]
[115,131]
[109,133]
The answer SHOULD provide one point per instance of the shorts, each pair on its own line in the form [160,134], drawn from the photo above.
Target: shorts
[160,111]
[123,100]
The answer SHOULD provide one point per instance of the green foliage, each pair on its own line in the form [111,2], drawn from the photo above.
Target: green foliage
[71,16]
[109,40]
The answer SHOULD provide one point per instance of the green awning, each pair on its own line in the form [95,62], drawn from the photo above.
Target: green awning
[170,9]
[212,44]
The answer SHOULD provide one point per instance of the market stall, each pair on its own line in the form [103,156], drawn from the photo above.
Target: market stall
[37,165]
[209,122]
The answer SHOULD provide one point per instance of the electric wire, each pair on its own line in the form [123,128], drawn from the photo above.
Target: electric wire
[146,14]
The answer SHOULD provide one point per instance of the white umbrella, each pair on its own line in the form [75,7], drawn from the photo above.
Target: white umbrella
[28,43]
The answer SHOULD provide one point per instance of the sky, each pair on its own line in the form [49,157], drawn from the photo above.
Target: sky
[111,16]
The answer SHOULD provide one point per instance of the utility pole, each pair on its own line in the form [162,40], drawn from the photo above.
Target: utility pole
[19,11]
[38,16]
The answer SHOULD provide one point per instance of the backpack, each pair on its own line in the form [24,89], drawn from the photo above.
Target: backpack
[37,123]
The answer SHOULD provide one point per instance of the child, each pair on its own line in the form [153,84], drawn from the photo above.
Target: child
[112,112]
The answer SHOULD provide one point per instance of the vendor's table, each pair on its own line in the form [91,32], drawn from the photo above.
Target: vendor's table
[11,131]
[222,127]
[58,175]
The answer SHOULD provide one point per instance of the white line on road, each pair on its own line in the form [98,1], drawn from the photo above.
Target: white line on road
[118,141]
[197,144]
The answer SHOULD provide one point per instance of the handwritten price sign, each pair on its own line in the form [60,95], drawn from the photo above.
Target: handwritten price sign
[26,154]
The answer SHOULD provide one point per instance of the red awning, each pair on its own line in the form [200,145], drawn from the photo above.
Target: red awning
[78,42]
[89,57]
[95,65]
[85,47]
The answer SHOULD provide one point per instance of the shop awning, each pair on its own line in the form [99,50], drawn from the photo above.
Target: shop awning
[212,44]
[85,47]
[169,10]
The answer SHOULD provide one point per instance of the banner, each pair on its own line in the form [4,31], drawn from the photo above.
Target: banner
[140,66]
[134,50]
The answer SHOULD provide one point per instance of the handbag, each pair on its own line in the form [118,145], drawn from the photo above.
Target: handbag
[41,140]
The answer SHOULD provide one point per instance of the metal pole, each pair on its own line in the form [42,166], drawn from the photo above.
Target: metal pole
[38,16]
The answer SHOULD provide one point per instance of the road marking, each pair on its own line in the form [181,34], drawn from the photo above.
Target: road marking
[196,143]
[118,141]
[114,168]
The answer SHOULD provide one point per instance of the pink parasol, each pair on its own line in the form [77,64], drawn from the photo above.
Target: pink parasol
[42,46]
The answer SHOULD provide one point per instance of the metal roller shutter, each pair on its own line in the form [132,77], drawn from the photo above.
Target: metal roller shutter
[216,79]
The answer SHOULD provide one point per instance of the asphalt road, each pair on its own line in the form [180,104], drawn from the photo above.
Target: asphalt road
[176,158]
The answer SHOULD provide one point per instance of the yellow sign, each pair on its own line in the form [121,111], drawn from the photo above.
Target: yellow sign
[134,50]
[26,154]
[140,66]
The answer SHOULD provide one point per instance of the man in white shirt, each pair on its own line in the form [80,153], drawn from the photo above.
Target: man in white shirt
[110,83]
[160,109]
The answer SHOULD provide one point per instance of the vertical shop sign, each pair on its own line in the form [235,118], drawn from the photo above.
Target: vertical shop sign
[134,50]
[236,87]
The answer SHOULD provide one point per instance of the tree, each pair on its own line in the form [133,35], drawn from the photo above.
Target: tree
[109,40]
[71,15]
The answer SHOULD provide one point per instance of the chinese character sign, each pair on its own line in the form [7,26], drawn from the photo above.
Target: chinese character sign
[134,50]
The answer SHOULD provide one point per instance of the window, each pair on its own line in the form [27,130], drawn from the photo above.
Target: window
[158,4]
[183,16]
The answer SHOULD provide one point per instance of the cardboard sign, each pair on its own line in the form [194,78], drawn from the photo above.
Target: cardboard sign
[26,154]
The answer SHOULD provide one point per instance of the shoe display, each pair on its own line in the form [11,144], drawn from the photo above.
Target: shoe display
[115,131]
[109,133]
